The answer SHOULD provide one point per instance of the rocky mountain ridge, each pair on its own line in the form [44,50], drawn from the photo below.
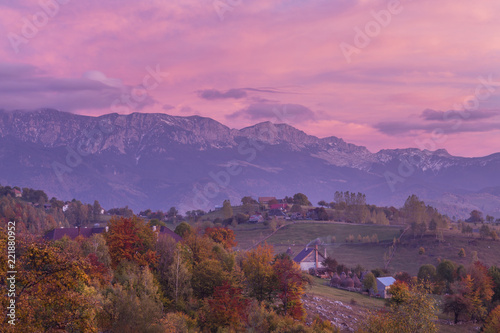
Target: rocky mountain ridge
[158,160]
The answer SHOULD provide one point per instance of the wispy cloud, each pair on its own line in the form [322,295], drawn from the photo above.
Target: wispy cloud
[211,94]
[429,114]
[264,54]
[401,128]
[279,113]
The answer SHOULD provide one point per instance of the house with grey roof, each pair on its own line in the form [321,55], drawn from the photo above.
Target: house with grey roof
[309,257]
[383,285]
[164,231]
[58,233]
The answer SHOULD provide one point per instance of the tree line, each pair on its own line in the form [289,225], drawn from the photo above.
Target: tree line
[133,279]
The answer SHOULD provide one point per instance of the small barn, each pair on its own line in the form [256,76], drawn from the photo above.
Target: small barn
[310,257]
[383,284]
[57,234]
[164,231]
[266,200]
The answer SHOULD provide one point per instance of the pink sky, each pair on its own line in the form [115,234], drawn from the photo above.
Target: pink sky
[244,62]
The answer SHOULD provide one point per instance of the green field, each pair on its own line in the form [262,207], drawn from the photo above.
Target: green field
[319,288]
[408,259]
[370,304]
[298,235]
[371,255]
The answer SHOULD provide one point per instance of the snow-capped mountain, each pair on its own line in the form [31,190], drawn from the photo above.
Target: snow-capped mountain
[158,161]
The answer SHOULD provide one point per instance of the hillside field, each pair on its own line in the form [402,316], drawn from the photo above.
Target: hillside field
[371,255]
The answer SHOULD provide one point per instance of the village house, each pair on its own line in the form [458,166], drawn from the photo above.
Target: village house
[57,234]
[266,200]
[279,214]
[310,257]
[279,206]
[164,231]
[383,285]
[256,218]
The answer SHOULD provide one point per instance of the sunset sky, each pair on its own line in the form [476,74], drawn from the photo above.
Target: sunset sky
[326,67]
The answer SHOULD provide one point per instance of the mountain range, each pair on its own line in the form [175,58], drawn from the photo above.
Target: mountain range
[157,161]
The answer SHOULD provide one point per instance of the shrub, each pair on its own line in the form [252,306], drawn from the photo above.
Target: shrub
[461,253]
[421,250]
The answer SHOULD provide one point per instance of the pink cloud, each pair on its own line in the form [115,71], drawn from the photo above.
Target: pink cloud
[428,57]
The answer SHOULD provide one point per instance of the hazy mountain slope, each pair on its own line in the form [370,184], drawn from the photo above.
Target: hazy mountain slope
[157,161]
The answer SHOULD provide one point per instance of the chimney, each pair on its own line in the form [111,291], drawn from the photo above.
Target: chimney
[316,251]
[325,252]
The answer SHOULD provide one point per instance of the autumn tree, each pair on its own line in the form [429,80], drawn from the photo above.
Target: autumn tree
[414,312]
[133,303]
[322,203]
[224,236]
[475,216]
[256,266]
[484,231]
[52,291]
[182,229]
[492,323]
[227,210]
[290,286]
[467,229]
[494,273]
[301,199]
[414,210]
[178,281]
[96,211]
[330,264]
[482,284]
[206,276]
[130,239]
[208,262]
[461,299]
[370,282]
[227,307]
[248,201]
[445,271]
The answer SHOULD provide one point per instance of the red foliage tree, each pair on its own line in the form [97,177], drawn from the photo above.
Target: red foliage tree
[227,308]
[130,239]
[290,283]
[224,236]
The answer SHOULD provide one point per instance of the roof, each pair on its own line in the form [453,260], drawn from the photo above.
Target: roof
[386,281]
[266,199]
[305,253]
[276,212]
[72,233]
[278,206]
[166,231]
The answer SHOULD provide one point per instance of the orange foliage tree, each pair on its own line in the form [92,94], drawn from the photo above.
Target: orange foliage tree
[52,291]
[492,324]
[290,284]
[132,240]
[224,236]
[256,266]
[226,308]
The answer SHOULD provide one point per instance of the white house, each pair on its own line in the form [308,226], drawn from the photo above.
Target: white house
[310,257]
[383,285]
